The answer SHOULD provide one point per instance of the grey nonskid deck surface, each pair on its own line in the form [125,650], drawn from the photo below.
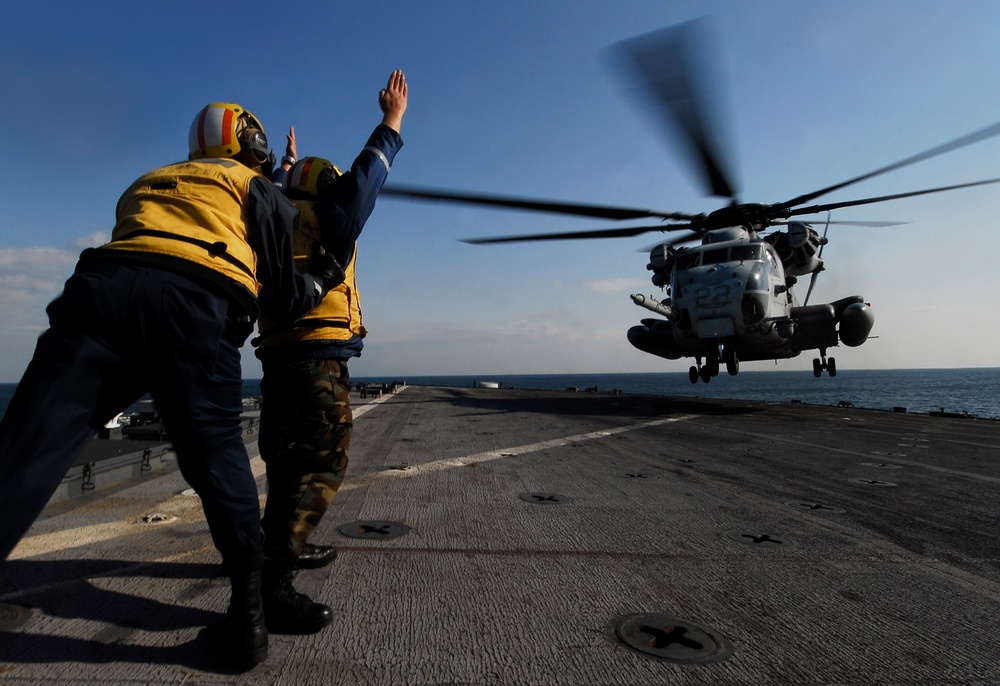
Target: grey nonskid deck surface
[523,537]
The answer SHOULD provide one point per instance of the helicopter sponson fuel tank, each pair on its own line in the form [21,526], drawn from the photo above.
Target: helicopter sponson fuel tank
[852,319]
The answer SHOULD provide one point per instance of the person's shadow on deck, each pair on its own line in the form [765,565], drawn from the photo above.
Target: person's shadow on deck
[65,589]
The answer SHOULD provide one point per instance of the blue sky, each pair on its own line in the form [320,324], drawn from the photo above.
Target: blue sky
[516,98]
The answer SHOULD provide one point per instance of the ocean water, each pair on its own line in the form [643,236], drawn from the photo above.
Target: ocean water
[971,391]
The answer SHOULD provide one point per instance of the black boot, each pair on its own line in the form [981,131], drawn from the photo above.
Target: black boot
[315,556]
[247,630]
[287,611]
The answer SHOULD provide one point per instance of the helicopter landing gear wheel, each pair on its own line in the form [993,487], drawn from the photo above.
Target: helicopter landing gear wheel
[823,362]
[703,371]
[732,362]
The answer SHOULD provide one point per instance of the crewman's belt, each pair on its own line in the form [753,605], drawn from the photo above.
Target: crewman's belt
[217,249]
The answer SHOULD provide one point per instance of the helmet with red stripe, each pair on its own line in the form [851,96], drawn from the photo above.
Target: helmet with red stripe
[224,129]
[306,174]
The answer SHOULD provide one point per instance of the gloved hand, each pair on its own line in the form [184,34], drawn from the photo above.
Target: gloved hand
[325,269]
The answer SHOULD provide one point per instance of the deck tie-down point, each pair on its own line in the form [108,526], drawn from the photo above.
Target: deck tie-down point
[669,638]
[816,507]
[377,530]
[759,539]
[13,616]
[545,498]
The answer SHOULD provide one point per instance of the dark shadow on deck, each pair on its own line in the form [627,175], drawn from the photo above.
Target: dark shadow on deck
[568,403]
[66,589]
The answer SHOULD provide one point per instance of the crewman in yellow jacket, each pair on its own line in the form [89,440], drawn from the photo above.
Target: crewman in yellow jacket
[306,419]
[199,248]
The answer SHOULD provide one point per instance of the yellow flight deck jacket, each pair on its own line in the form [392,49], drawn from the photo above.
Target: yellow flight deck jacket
[187,210]
[338,316]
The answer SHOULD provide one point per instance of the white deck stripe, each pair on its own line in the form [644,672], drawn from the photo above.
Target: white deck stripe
[479,458]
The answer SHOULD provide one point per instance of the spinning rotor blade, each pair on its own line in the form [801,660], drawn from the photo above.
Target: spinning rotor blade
[868,201]
[664,66]
[690,238]
[849,223]
[667,67]
[574,235]
[974,137]
[580,210]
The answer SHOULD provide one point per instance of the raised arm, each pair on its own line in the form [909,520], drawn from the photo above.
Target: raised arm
[392,100]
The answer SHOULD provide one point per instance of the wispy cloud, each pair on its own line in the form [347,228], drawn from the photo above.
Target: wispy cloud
[604,286]
[546,344]
[30,278]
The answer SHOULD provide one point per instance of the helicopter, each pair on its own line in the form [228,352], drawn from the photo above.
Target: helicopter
[730,297]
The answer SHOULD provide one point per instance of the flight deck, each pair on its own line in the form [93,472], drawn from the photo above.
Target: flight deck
[499,536]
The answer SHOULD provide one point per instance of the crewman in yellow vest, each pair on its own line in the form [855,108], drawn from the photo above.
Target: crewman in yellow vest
[306,420]
[199,248]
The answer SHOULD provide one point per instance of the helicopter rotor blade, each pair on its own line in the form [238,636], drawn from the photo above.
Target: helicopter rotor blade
[624,232]
[846,222]
[683,240]
[816,209]
[669,72]
[577,209]
[974,137]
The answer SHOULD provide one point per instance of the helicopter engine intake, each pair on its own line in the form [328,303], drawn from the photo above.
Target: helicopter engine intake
[661,263]
[798,248]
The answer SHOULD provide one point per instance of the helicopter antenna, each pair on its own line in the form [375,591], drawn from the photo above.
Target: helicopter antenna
[819,255]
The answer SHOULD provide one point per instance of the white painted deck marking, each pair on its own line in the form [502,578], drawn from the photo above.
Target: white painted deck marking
[478,458]
[361,409]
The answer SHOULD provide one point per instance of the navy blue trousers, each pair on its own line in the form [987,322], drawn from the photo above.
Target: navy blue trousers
[119,331]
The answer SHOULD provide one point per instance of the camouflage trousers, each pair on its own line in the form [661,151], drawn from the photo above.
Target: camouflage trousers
[305,436]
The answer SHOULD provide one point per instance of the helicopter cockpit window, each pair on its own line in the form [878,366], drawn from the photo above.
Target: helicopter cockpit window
[715,256]
[757,281]
[747,253]
[686,261]
[772,262]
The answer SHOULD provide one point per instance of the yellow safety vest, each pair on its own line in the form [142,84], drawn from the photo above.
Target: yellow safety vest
[338,316]
[195,211]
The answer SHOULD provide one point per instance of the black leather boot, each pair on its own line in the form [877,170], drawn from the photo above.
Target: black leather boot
[286,611]
[315,556]
[247,630]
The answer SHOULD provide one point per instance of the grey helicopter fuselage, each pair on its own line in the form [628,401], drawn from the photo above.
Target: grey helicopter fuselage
[731,299]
